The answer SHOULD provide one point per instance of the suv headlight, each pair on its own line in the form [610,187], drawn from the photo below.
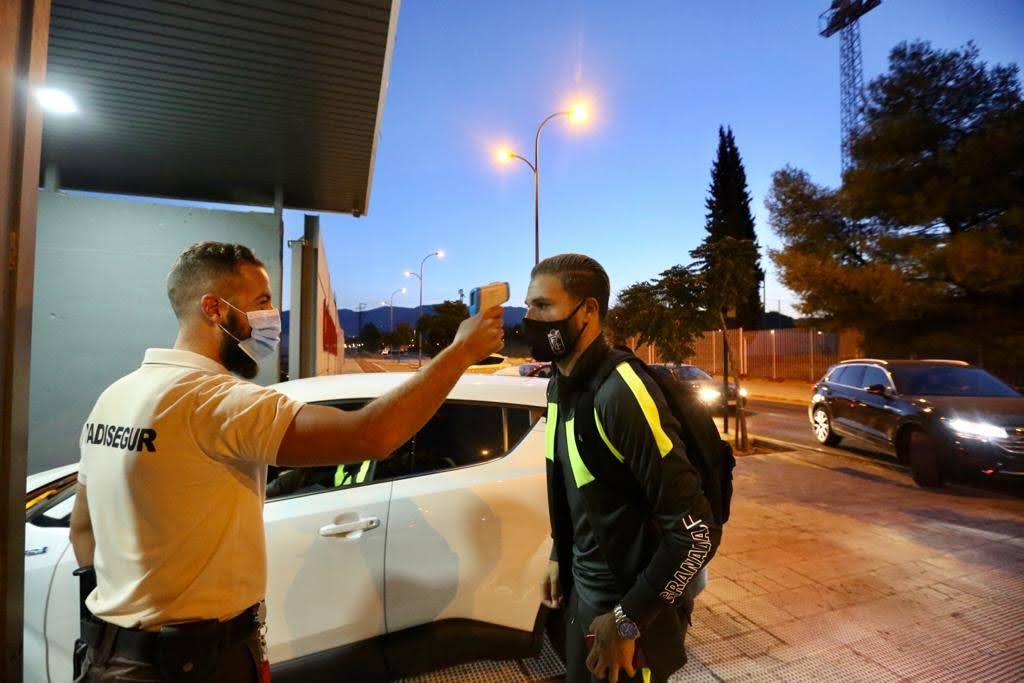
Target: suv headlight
[976,430]
[708,395]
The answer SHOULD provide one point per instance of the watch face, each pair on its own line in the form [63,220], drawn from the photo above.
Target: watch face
[628,630]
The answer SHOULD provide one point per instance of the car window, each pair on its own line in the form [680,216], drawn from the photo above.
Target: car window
[838,373]
[519,422]
[458,435]
[854,376]
[693,374]
[873,376]
[948,380]
[283,482]
[50,505]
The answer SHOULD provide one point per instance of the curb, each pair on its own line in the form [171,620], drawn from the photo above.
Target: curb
[789,445]
[778,399]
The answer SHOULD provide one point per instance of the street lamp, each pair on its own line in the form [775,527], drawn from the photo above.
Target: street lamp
[578,113]
[419,338]
[390,303]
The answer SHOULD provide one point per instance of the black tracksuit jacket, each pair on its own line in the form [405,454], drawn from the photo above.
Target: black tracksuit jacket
[654,541]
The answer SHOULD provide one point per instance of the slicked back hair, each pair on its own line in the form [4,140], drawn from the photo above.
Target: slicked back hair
[200,268]
[581,276]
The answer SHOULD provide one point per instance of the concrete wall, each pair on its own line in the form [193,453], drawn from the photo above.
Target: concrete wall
[101,300]
[327,359]
[327,363]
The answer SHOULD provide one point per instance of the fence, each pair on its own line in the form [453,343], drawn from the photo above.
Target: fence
[796,353]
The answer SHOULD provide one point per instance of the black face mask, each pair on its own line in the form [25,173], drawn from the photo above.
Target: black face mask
[550,341]
[233,358]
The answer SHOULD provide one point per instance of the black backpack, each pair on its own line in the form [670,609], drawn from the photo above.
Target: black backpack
[707,452]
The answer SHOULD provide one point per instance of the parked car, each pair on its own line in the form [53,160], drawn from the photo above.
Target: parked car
[708,388]
[939,417]
[527,370]
[430,558]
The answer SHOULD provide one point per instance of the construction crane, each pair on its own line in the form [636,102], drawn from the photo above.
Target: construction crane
[843,17]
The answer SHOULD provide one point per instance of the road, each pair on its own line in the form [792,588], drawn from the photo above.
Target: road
[788,423]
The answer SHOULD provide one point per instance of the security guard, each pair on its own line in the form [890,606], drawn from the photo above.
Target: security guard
[173,472]
[626,548]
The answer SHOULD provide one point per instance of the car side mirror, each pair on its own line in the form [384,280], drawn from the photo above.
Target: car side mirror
[879,389]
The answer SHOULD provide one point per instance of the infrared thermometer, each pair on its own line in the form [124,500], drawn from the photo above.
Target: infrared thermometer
[488,296]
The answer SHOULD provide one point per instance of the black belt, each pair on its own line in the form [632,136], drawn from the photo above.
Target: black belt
[141,646]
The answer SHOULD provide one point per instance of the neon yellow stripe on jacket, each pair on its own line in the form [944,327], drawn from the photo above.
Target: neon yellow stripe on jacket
[650,409]
[604,437]
[579,468]
[549,431]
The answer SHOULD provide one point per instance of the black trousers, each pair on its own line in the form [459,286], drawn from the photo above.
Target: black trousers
[239,663]
[578,618]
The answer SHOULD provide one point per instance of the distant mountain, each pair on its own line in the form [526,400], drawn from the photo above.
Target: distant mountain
[381,317]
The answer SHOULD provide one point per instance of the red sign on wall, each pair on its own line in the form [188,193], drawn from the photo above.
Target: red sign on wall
[330,332]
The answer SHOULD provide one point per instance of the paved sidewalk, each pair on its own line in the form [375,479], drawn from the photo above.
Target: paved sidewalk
[350,365]
[837,569]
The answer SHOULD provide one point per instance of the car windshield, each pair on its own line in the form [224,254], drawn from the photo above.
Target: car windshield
[693,374]
[946,380]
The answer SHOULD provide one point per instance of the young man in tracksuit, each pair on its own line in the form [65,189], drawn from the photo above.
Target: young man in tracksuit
[621,561]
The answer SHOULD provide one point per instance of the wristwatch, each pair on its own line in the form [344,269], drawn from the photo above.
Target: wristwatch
[626,627]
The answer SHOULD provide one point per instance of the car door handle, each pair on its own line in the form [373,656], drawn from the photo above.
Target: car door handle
[348,528]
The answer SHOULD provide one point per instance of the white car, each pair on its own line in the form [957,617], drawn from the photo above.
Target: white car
[430,558]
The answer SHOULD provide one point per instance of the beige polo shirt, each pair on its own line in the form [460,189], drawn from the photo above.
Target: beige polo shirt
[174,458]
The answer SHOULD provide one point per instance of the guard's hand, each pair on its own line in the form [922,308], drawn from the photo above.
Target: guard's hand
[551,591]
[610,655]
[481,335]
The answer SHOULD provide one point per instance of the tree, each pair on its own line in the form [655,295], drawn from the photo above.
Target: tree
[370,337]
[438,329]
[667,312]
[404,335]
[922,247]
[673,310]
[728,267]
[729,216]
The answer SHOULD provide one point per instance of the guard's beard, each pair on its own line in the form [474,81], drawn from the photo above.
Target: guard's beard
[233,358]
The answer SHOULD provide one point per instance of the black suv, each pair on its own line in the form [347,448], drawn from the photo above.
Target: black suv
[940,417]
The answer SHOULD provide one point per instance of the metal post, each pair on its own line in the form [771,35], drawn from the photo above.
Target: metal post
[773,355]
[536,186]
[743,353]
[419,334]
[536,202]
[812,354]
[725,381]
[307,312]
[714,358]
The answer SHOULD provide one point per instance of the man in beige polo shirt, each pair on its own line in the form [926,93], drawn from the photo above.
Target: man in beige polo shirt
[173,471]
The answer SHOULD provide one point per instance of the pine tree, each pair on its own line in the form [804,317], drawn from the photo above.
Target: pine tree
[729,215]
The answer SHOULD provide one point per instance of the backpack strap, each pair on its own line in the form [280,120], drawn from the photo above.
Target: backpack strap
[599,454]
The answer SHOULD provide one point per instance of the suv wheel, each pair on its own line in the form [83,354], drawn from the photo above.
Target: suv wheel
[822,424]
[923,455]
